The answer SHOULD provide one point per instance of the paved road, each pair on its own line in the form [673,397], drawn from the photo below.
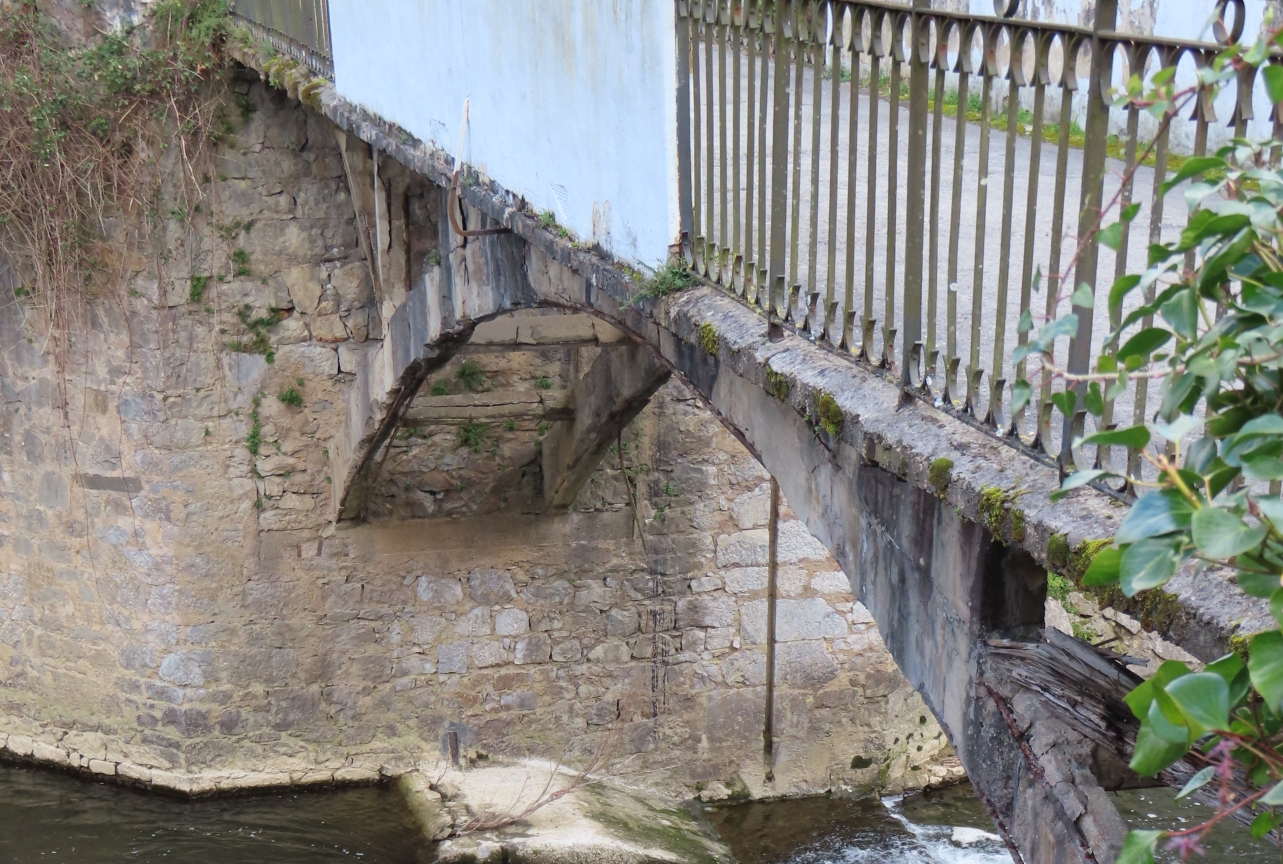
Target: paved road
[974,181]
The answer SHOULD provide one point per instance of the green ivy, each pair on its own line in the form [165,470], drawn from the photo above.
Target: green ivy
[1211,336]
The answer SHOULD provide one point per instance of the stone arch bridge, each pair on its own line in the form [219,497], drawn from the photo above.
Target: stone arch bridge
[945,531]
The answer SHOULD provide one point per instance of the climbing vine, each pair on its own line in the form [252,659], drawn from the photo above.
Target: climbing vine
[1210,312]
[86,127]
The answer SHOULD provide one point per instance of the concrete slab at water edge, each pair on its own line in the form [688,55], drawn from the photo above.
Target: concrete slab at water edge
[539,813]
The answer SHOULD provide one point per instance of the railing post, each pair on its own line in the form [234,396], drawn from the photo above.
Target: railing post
[685,198]
[915,216]
[779,161]
[1094,154]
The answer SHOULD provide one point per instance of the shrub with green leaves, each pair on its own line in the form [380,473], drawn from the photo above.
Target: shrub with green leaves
[1211,335]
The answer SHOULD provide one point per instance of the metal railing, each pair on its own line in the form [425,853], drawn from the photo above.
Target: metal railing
[300,28]
[863,171]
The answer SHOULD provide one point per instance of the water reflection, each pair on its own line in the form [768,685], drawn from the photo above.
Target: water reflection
[53,817]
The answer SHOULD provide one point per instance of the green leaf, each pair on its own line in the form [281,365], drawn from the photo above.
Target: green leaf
[1169,730]
[1178,428]
[1153,754]
[1265,665]
[1111,236]
[1093,400]
[1083,295]
[1276,605]
[1078,478]
[1198,781]
[1020,393]
[1234,672]
[1261,585]
[1192,167]
[1123,286]
[1129,212]
[1026,322]
[1153,514]
[1273,76]
[1138,848]
[1148,564]
[1104,567]
[1066,401]
[1133,436]
[1204,699]
[1264,822]
[1144,343]
[1180,311]
[1274,797]
[1220,534]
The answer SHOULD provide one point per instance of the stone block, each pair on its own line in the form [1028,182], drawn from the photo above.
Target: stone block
[491,587]
[621,622]
[487,653]
[444,593]
[522,700]
[130,771]
[536,648]
[19,745]
[567,650]
[475,623]
[831,582]
[352,281]
[752,509]
[184,669]
[43,752]
[705,584]
[452,658]
[304,285]
[328,328]
[747,667]
[804,664]
[101,766]
[710,611]
[795,620]
[511,622]
[610,652]
[745,580]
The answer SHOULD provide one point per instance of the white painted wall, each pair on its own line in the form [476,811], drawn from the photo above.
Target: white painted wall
[572,102]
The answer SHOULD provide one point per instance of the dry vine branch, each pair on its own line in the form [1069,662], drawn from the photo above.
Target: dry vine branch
[91,131]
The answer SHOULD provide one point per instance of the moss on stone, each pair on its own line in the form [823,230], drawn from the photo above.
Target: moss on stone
[708,339]
[310,93]
[1082,557]
[939,475]
[778,383]
[831,418]
[1017,525]
[993,508]
[1058,551]
[1239,643]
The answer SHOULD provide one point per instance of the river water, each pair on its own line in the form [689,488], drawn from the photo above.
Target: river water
[49,817]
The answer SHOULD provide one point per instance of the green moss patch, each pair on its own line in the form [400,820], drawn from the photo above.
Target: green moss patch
[939,475]
[829,414]
[708,339]
[778,384]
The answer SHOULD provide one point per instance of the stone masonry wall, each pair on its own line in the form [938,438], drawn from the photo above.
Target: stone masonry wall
[176,608]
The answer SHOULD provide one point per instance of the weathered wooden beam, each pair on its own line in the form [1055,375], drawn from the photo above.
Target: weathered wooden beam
[614,390]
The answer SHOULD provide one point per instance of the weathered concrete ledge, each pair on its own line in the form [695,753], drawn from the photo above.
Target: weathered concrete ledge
[90,754]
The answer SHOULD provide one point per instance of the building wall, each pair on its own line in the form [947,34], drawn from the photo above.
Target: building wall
[178,610]
[559,97]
